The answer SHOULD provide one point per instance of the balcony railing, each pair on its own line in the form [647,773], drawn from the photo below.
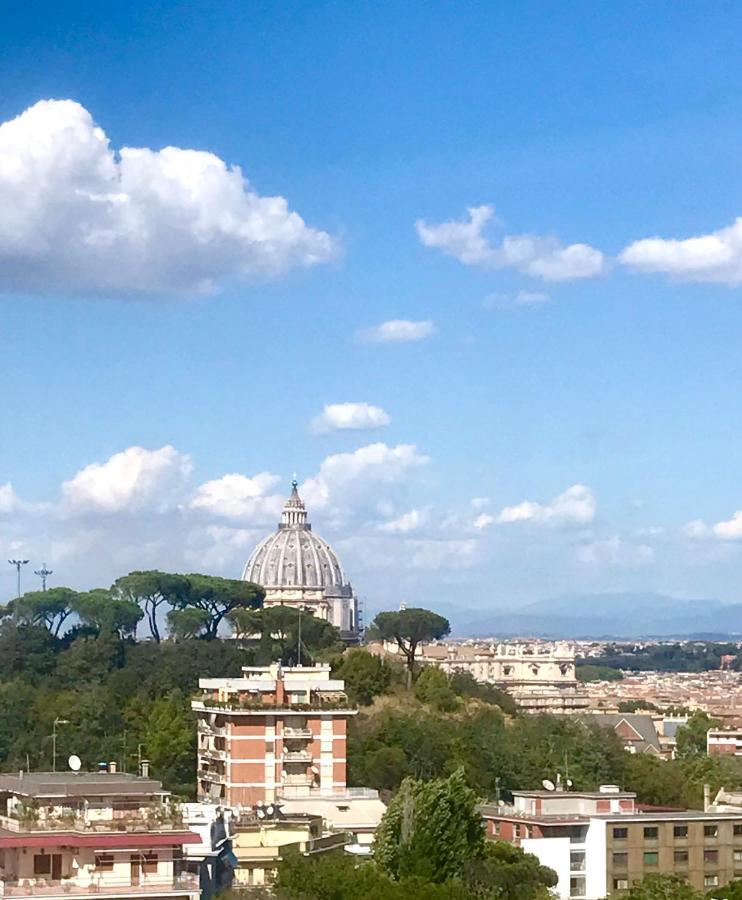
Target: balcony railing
[236,704]
[298,733]
[212,775]
[156,821]
[297,756]
[158,885]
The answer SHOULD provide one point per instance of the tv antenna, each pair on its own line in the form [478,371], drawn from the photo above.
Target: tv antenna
[43,574]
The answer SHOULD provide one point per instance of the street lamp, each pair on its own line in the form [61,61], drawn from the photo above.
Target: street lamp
[43,574]
[18,563]
[57,721]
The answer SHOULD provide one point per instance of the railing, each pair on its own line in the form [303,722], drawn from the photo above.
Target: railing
[98,884]
[299,756]
[212,775]
[212,752]
[299,733]
[82,825]
[259,706]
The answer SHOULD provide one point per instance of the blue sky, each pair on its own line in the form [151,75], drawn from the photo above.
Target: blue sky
[586,124]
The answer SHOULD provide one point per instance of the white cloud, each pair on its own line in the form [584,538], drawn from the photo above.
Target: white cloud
[714,257]
[483,520]
[576,506]
[349,416]
[404,524]
[540,257]
[397,331]
[346,479]
[614,551]
[504,302]
[129,481]
[729,530]
[77,215]
[240,497]
[9,500]
[479,502]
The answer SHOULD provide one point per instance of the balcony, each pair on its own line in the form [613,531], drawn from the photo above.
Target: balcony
[297,756]
[212,753]
[298,733]
[69,889]
[156,819]
[212,775]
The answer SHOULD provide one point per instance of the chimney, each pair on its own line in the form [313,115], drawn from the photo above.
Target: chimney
[706,797]
[112,767]
[145,768]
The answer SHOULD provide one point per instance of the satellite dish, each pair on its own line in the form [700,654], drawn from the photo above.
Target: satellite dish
[569,782]
[269,809]
[548,784]
[74,762]
[261,813]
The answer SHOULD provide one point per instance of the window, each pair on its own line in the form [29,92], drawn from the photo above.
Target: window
[651,833]
[495,827]
[681,856]
[577,886]
[620,834]
[620,860]
[577,861]
[680,831]
[149,863]
[650,858]
[104,862]
[42,864]
[710,830]
[738,856]
[620,884]
[738,830]
[711,856]
[710,880]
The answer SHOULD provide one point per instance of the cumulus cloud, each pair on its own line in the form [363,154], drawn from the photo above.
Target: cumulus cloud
[714,257]
[397,331]
[729,530]
[534,255]
[615,551]
[483,520]
[9,500]
[77,215]
[404,524]
[346,478]
[237,496]
[576,506]
[130,481]
[349,416]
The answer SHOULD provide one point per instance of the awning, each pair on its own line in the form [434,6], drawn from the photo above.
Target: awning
[106,841]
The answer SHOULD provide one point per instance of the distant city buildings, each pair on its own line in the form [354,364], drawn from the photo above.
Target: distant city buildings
[539,675]
[600,842]
[65,836]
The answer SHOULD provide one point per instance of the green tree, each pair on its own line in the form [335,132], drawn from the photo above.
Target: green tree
[663,887]
[169,742]
[186,624]
[408,628]
[465,685]
[152,590]
[730,891]
[48,608]
[691,738]
[365,675]
[507,872]
[279,630]
[432,687]
[430,829]
[103,612]
[218,597]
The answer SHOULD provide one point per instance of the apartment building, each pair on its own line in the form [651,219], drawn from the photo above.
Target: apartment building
[64,836]
[600,842]
[724,742]
[275,733]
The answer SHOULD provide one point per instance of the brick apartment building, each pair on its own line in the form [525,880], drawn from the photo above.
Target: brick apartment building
[724,742]
[275,733]
[600,842]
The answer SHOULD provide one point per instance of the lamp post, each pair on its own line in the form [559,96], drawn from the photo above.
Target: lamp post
[18,563]
[57,721]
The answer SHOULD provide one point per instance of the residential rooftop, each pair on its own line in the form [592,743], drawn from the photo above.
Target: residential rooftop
[78,784]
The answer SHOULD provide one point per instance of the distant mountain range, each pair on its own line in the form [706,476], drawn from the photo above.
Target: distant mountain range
[627,615]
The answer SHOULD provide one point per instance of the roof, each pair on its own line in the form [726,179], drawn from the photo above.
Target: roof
[78,784]
[109,841]
[294,556]
[643,725]
[592,795]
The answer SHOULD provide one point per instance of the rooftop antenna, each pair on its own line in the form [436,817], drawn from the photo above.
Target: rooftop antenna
[298,649]
[43,574]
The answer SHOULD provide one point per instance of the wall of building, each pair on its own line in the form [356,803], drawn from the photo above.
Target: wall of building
[554,853]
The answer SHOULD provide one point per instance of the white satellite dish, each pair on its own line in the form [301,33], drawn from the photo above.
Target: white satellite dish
[548,784]
[74,762]
[569,782]
[269,809]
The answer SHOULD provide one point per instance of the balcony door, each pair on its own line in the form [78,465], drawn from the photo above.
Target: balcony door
[136,868]
[56,866]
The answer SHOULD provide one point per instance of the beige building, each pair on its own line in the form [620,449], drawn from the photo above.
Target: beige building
[539,676]
[65,836]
